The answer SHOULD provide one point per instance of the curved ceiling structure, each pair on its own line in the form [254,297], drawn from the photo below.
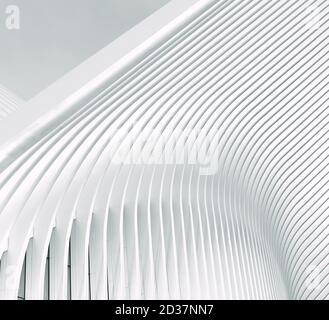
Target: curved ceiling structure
[192,163]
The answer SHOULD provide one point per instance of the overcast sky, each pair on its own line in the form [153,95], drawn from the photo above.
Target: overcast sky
[57,35]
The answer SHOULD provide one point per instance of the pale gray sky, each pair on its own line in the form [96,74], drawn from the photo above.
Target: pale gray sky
[57,35]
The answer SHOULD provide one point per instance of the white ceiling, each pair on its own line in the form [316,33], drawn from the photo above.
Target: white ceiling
[56,36]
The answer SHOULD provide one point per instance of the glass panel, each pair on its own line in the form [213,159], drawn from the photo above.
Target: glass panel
[69,281]
[22,282]
[46,292]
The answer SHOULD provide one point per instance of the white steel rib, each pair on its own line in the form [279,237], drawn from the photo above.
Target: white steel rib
[91,208]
